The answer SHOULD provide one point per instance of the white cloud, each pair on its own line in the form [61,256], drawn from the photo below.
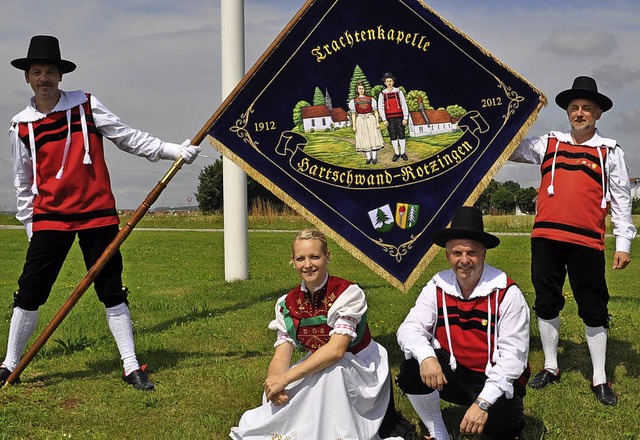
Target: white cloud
[156,63]
[575,43]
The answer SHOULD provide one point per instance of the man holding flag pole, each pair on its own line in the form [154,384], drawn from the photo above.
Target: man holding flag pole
[63,189]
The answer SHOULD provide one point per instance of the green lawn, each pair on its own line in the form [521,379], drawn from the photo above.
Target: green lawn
[207,344]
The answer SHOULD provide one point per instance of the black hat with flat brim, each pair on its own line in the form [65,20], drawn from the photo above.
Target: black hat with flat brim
[584,87]
[44,49]
[388,75]
[467,224]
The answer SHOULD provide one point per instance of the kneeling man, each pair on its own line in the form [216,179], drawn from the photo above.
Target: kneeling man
[466,340]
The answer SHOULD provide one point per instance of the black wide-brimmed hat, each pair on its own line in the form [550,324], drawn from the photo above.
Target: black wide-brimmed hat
[388,75]
[584,87]
[44,49]
[467,223]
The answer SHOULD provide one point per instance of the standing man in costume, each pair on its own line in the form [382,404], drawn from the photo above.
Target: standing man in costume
[63,190]
[394,114]
[466,340]
[584,177]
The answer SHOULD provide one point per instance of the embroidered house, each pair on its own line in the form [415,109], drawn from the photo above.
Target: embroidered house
[316,118]
[430,122]
[340,118]
[321,118]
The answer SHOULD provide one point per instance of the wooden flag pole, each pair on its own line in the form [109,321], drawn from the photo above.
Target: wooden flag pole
[93,272]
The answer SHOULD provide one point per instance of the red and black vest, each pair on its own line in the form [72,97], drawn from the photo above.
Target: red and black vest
[392,105]
[574,212]
[82,197]
[306,321]
[469,322]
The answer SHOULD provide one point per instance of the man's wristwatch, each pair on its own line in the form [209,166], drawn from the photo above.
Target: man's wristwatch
[483,404]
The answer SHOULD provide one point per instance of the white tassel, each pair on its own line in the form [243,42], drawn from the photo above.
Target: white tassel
[59,173]
[87,158]
[603,204]
[550,190]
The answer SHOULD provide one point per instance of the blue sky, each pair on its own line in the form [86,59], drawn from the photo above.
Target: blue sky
[156,64]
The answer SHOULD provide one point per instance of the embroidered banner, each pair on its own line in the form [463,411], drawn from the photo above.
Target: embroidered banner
[375,119]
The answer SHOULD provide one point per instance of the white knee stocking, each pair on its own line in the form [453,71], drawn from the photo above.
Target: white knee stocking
[549,336]
[597,342]
[403,143]
[427,406]
[119,322]
[394,144]
[23,324]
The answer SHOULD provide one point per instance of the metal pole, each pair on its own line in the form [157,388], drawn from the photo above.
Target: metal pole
[236,225]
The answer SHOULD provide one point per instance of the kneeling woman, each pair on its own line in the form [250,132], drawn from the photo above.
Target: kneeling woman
[341,388]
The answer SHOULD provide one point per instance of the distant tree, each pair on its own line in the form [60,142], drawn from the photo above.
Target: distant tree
[358,75]
[209,194]
[525,199]
[210,190]
[511,186]
[456,111]
[503,201]
[318,97]
[297,114]
[484,201]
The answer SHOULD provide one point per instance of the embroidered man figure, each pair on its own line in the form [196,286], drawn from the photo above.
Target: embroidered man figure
[394,114]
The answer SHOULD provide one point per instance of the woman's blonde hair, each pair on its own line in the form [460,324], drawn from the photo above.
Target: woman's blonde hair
[311,234]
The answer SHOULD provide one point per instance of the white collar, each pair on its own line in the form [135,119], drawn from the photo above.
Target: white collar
[490,280]
[596,140]
[68,100]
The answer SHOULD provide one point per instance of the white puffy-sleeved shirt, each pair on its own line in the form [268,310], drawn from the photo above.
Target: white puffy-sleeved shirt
[108,124]
[343,316]
[416,334]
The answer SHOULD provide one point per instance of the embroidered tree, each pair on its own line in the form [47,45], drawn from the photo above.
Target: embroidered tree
[375,91]
[414,98]
[382,218]
[318,97]
[412,217]
[358,75]
[297,114]
[456,111]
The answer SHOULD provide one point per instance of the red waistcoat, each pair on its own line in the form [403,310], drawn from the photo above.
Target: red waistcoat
[573,213]
[468,325]
[392,105]
[307,322]
[82,197]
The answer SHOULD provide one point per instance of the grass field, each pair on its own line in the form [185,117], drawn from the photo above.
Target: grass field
[207,344]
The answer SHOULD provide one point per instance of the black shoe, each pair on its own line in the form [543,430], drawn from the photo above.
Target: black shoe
[368,161]
[374,161]
[544,378]
[404,156]
[4,375]
[605,394]
[395,157]
[139,379]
